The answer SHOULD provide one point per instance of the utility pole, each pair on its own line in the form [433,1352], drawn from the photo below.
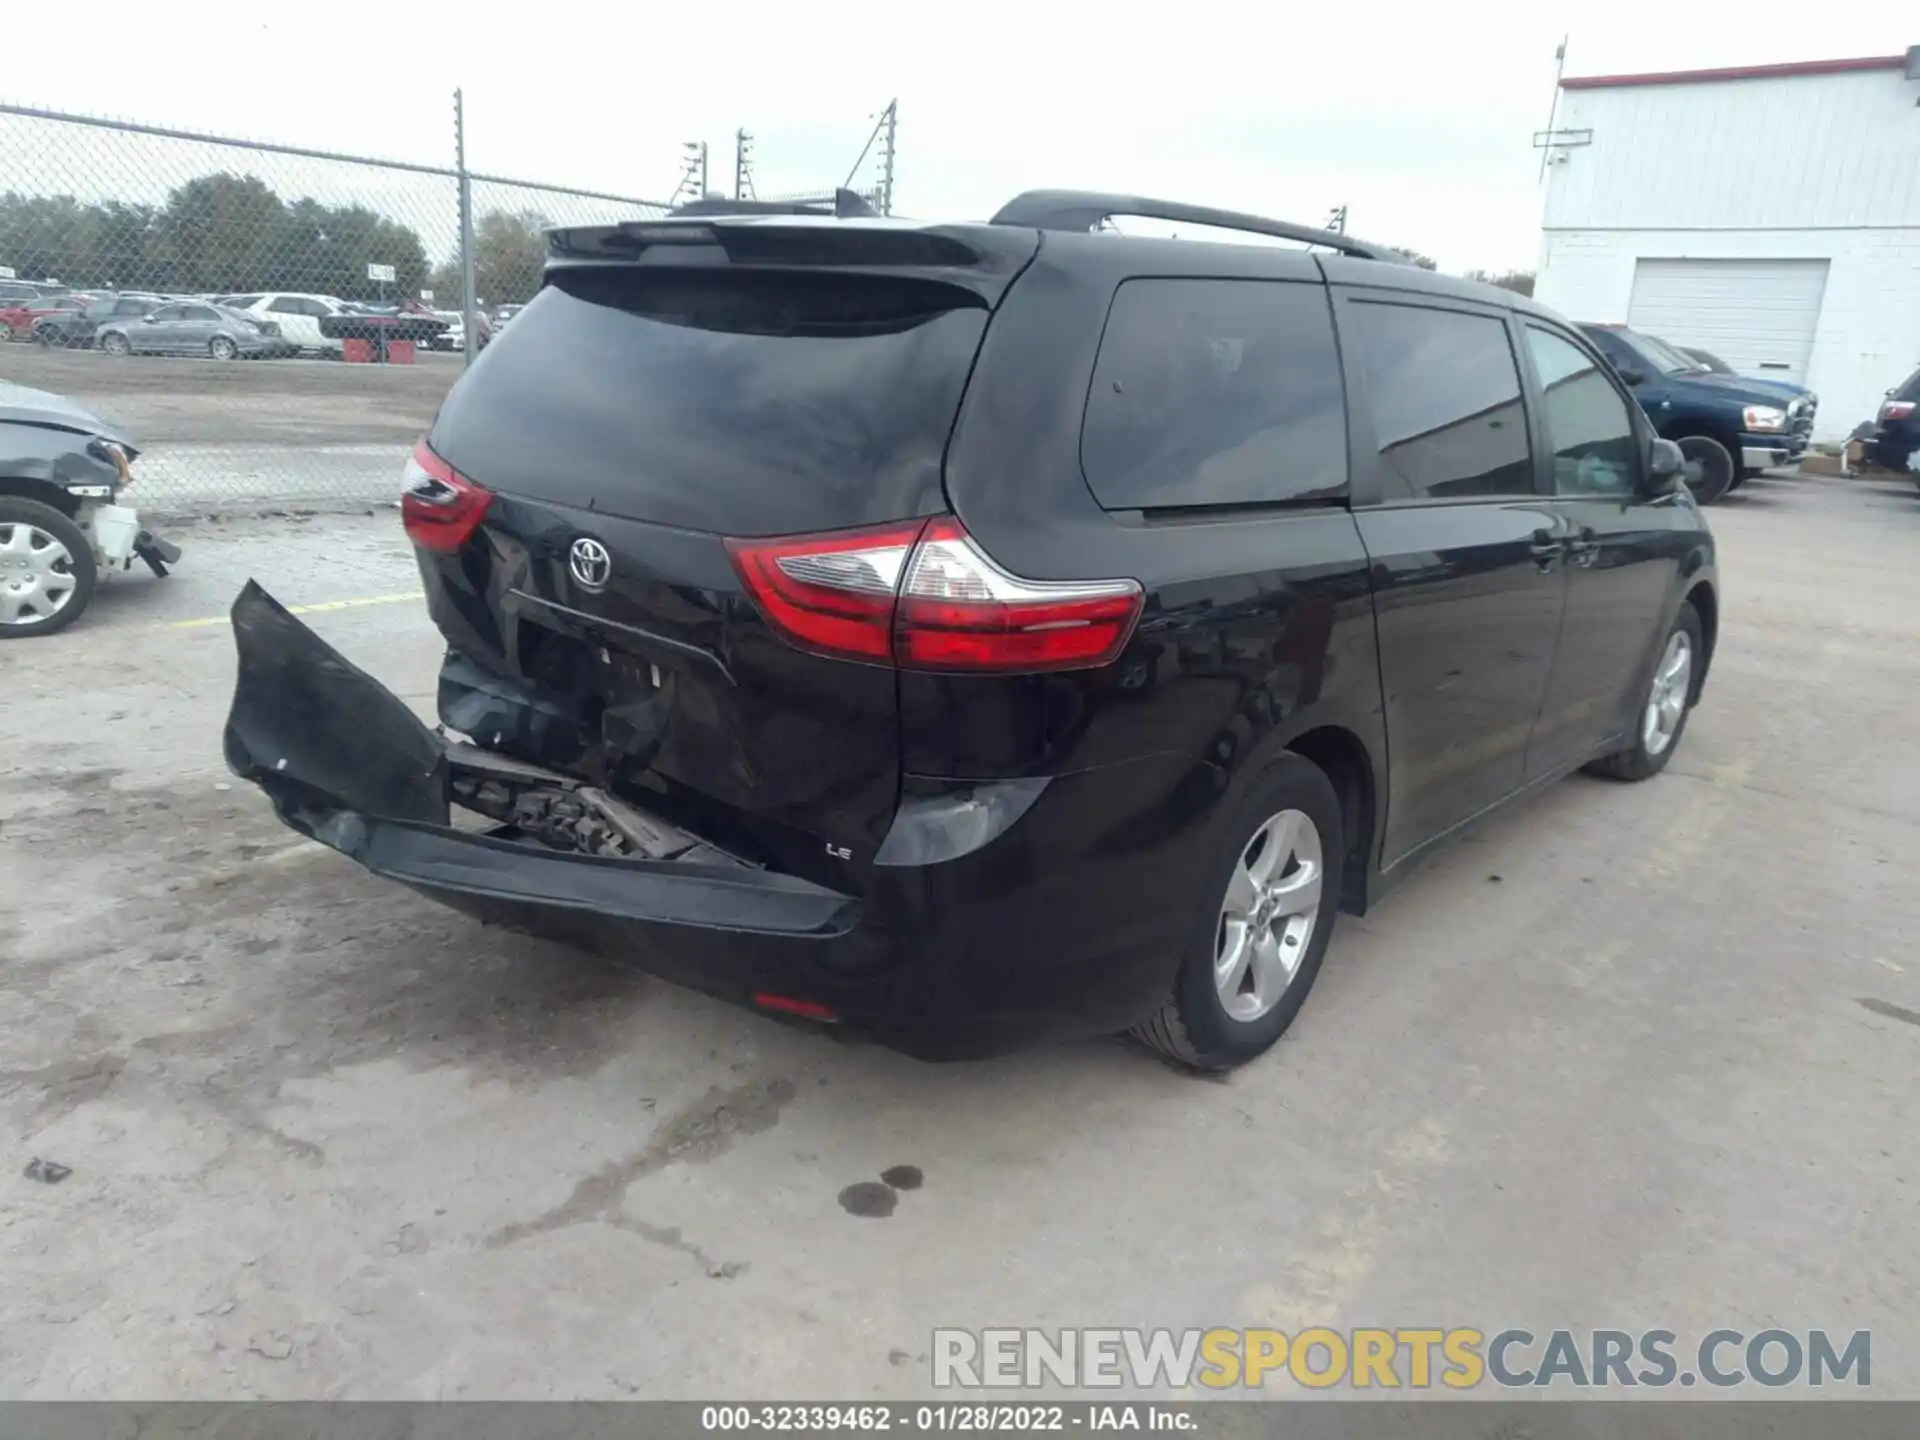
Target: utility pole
[469,311]
[883,130]
[742,165]
[889,121]
[693,172]
[1553,110]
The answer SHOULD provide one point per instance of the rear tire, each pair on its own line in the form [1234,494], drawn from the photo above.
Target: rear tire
[1276,932]
[42,522]
[1714,464]
[1657,731]
[6,332]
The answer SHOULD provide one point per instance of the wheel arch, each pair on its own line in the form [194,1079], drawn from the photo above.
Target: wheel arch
[27,487]
[1706,604]
[1702,422]
[1344,758]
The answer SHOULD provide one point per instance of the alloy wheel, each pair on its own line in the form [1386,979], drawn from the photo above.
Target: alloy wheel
[1268,915]
[1667,700]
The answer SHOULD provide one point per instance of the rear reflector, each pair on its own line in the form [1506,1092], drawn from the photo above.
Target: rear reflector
[1896,409]
[925,596]
[787,1005]
[439,506]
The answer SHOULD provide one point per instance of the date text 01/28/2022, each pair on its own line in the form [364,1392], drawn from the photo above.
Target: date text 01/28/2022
[946,1417]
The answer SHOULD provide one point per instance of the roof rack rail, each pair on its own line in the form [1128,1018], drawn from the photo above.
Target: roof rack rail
[1084,209]
[844,205]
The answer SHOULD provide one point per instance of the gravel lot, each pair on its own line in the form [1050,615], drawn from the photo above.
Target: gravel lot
[1631,1056]
[248,435]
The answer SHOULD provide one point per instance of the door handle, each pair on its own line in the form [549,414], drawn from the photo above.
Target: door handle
[1546,547]
[1584,548]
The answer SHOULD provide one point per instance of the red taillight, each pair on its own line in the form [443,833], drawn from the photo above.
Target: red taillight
[787,1005]
[1896,409]
[439,506]
[924,596]
[830,593]
[960,611]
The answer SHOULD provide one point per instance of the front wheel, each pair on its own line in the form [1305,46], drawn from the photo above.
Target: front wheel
[1711,468]
[1668,700]
[1260,928]
[46,569]
[221,348]
[114,343]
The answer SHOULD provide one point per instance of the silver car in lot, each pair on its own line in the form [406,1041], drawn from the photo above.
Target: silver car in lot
[192,327]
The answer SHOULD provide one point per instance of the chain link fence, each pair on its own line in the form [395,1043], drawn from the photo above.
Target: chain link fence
[275,326]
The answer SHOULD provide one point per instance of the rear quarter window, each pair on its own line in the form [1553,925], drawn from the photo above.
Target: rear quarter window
[1210,393]
[1444,392]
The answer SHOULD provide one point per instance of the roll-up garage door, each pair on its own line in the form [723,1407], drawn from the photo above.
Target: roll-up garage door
[1757,315]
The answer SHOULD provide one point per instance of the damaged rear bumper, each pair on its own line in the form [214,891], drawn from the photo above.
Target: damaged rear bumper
[952,958]
[348,764]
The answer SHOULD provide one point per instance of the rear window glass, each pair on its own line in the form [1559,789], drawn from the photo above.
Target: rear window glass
[734,402]
[1215,392]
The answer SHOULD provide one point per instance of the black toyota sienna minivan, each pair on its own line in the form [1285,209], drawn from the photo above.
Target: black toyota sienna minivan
[974,634]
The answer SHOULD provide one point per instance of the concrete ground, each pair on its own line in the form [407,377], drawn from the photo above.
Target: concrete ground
[1630,1056]
[242,436]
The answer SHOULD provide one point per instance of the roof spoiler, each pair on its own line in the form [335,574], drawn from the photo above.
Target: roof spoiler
[1082,210]
[843,204]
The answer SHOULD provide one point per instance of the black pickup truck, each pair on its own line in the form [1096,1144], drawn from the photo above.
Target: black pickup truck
[1728,426]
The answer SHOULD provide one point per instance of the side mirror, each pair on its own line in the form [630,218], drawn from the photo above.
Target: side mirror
[1666,467]
[1633,376]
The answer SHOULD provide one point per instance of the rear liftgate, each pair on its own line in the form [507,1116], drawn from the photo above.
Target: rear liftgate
[347,763]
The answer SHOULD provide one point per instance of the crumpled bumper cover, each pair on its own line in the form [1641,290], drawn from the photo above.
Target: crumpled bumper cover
[346,762]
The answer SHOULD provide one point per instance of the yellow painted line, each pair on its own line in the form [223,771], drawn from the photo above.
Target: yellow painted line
[315,609]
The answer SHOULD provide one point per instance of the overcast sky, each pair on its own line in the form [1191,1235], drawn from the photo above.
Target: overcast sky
[1420,121]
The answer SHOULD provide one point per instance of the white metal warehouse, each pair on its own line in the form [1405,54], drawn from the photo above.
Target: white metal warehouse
[1769,214]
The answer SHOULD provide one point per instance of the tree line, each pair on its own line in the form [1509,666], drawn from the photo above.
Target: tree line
[222,233]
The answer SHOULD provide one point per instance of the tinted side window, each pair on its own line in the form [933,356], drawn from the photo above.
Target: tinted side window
[200,312]
[1588,425]
[288,305]
[1215,392]
[1446,402]
[134,307]
[170,312]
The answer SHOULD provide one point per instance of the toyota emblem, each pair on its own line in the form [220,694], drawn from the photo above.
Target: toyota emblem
[589,562]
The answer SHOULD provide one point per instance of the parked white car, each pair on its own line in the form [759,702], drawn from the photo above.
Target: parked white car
[298,317]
